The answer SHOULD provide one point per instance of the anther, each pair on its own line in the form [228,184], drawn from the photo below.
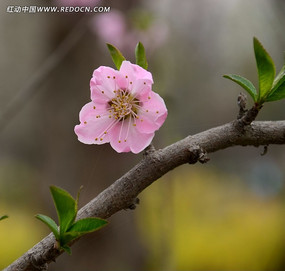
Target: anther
[102,92]
[101,139]
[114,77]
[94,107]
[108,76]
[119,141]
[85,122]
[96,139]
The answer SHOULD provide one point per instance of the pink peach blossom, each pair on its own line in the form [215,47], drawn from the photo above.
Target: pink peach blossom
[115,28]
[124,110]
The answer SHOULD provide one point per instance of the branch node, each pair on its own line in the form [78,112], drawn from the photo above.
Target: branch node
[248,117]
[149,150]
[36,263]
[241,101]
[265,149]
[134,204]
[197,154]
[203,157]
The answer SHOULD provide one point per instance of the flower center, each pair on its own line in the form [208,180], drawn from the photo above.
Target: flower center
[123,105]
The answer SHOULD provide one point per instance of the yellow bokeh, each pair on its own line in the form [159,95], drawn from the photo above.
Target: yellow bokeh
[198,219]
[18,234]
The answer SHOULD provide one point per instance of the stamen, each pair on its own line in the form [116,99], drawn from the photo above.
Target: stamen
[128,129]
[121,129]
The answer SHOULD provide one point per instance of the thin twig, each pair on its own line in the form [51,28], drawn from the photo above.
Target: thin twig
[122,193]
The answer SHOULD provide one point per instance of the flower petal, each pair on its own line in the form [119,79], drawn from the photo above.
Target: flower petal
[104,82]
[95,124]
[135,72]
[124,137]
[92,110]
[139,88]
[152,113]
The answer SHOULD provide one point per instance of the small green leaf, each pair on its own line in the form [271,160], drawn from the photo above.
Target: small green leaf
[65,206]
[70,236]
[87,225]
[278,94]
[82,227]
[140,56]
[278,89]
[3,217]
[116,55]
[279,79]
[77,197]
[50,223]
[265,68]
[67,249]
[244,83]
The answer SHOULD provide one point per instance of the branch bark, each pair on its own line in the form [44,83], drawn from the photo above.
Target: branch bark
[123,193]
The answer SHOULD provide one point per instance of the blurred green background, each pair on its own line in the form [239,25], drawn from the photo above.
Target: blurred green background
[225,215]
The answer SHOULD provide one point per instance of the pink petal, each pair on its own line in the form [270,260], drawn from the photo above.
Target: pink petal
[91,110]
[94,124]
[152,114]
[139,141]
[139,88]
[135,72]
[124,137]
[104,82]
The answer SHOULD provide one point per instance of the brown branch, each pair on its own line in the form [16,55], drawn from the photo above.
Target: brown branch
[123,193]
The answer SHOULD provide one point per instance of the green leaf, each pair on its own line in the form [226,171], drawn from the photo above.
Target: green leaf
[82,227]
[87,225]
[244,83]
[69,236]
[65,206]
[67,249]
[50,223]
[279,79]
[116,55]
[278,94]
[3,217]
[77,197]
[278,90]
[265,68]
[140,56]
